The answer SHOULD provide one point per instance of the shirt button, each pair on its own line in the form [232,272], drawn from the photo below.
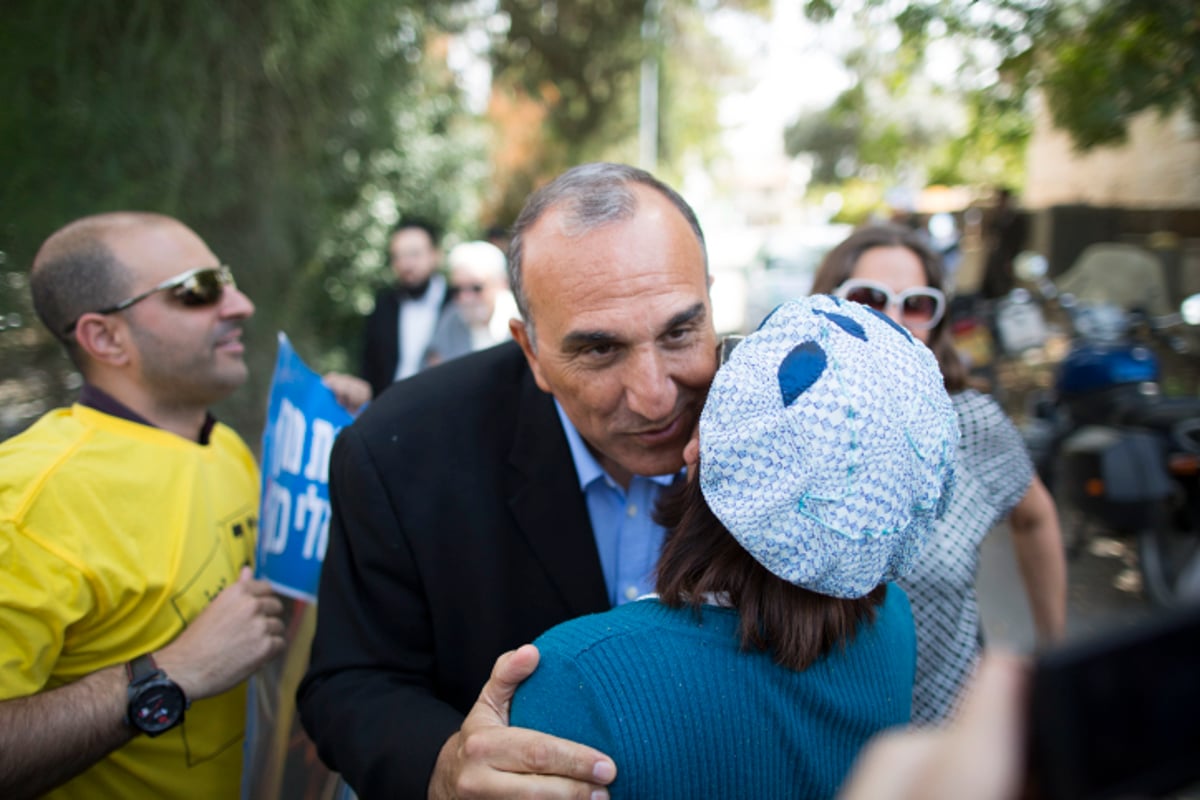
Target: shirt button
[631,593]
[632,510]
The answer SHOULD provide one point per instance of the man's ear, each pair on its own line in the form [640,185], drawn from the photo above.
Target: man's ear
[520,334]
[691,451]
[103,338]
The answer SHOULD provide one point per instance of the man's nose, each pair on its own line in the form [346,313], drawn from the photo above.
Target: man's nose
[235,304]
[650,391]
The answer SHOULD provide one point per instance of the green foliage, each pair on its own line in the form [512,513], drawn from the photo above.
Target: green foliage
[991,151]
[833,137]
[581,63]
[694,62]
[860,200]
[882,129]
[1128,57]
[582,60]
[1099,64]
[288,133]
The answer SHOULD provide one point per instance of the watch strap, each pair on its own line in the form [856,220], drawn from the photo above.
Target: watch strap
[141,668]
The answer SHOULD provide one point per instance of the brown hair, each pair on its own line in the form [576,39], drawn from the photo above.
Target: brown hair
[839,263]
[700,555]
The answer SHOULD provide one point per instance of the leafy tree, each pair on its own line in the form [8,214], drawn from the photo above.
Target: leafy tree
[1098,64]
[831,137]
[572,67]
[881,128]
[566,86]
[288,133]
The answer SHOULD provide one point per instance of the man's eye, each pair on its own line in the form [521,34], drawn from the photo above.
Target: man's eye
[679,334]
[599,350]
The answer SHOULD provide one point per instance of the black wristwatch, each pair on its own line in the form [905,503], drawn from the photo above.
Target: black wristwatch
[155,702]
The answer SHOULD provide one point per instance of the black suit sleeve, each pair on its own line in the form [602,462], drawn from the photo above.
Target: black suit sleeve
[380,345]
[373,648]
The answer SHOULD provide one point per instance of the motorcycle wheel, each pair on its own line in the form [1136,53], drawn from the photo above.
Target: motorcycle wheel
[1169,553]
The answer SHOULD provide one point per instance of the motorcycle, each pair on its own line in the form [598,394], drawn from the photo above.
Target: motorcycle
[992,335]
[1118,455]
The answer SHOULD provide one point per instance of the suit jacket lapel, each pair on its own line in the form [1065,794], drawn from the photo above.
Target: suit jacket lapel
[549,508]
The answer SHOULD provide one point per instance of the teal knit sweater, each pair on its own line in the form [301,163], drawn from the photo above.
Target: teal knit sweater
[684,712]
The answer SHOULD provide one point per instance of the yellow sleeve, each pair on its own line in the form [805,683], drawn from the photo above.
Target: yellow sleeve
[41,596]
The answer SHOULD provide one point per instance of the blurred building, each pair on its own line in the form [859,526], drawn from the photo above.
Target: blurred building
[1158,167]
[1144,192]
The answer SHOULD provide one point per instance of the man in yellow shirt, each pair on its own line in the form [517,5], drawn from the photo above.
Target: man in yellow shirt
[129,619]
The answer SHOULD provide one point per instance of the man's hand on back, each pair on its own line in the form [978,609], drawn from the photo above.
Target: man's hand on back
[486,758]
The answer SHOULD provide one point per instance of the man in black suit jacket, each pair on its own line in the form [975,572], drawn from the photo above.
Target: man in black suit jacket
[459,527]
[395,347]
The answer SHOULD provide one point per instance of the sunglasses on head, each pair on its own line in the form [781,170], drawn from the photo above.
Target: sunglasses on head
[195,288]
[921,307]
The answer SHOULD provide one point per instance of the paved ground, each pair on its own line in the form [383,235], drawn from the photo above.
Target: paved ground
[1104,592]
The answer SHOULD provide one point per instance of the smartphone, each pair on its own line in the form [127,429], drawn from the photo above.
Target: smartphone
[1118,716]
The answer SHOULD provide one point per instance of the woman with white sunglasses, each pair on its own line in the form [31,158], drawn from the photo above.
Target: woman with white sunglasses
[891,269]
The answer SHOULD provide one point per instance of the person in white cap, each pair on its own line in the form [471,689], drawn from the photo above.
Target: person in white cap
[481,304]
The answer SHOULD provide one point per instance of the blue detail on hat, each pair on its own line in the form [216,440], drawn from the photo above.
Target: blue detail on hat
[770,314]
[800,369]
[845,323]
[890,321]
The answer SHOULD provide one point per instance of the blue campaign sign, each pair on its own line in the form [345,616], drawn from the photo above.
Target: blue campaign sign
[303,418]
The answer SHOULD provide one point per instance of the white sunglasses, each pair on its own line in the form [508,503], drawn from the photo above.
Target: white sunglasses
[921,307]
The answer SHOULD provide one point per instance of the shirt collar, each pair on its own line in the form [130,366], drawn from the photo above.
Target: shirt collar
[587,468]
[432,292]
[100,400]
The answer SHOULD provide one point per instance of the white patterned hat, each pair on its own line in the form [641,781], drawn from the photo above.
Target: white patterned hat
[827,446]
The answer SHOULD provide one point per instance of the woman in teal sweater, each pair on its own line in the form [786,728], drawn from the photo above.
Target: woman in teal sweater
[776,645]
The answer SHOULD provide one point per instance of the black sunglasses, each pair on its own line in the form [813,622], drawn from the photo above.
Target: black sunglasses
[195,288]
[463,288]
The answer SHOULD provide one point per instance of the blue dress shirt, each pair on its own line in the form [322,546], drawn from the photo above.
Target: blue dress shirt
[627,539]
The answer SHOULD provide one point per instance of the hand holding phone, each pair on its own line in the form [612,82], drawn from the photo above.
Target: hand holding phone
[1118,716]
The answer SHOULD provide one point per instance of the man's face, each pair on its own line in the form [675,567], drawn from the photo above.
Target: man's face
[475,292]
[412,255]
[187,356]
[625,340]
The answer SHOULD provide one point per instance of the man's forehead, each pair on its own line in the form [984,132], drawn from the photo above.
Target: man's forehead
[159,246]
[650,319]
[559,234]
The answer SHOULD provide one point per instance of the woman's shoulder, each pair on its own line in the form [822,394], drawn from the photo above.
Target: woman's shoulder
[895,616]
[584,663]
[576,636]
[990,445]
[623,626]
[889,638]
[972,404]
[983,423]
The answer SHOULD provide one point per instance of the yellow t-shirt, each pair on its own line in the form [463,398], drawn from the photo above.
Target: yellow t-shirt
[113,536]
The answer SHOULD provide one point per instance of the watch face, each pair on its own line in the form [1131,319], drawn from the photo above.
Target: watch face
[157,708]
